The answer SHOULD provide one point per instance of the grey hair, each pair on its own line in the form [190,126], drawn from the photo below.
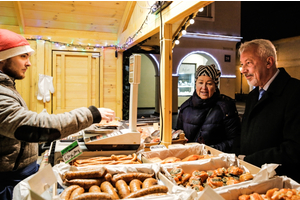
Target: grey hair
[265,48]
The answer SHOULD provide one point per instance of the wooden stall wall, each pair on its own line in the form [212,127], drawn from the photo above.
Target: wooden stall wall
[79,79]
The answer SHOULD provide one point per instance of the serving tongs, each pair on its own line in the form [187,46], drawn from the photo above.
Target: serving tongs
[153,135]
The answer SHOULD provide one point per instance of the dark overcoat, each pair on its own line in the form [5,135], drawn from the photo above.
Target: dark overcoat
[271,126]
[214,121]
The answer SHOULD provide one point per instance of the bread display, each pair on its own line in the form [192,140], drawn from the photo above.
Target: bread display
[176,159]
[219,177]
[273,194]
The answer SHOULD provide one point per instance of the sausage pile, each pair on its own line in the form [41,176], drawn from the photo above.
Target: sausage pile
[273,194]
[112,160]
[99,184]
[175,159]
[214,178]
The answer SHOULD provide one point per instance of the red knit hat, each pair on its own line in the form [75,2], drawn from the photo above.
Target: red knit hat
[12,44]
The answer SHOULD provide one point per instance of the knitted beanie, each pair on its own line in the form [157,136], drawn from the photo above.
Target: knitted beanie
[208,70]
[12,44]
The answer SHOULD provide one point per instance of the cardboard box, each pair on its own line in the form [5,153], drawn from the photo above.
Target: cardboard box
[223,160]
[260,188]
[254,169]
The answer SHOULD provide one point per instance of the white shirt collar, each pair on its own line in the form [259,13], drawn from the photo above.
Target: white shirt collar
[270,81]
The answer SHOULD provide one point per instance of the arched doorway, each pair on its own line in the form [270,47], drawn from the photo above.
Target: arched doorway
[186,72]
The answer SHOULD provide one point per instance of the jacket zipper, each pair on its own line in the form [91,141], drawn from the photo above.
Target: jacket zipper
[17,163]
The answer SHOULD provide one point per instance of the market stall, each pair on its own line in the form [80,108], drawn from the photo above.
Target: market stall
[190,171]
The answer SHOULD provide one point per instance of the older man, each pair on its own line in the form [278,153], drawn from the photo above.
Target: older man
[271,122]
[21,129]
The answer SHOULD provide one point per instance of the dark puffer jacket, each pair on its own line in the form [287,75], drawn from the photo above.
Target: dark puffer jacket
[214,121]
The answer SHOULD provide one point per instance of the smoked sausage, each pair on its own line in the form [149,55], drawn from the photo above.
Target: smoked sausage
[146,191]
[95,173]
[108,188]
[93,196]
[122,188]
[135,185]
[85,183]
[149,182]
[65,195]
[76,192]
[94,188]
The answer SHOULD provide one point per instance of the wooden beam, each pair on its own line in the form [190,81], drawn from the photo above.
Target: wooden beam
[119,85]
[166,86]
[19,15]
[126,16]
[176,11]
[66,36]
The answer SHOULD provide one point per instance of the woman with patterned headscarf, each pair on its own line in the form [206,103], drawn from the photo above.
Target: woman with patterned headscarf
[209,117]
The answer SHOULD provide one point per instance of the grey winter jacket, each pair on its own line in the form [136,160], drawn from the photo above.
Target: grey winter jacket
[22,129]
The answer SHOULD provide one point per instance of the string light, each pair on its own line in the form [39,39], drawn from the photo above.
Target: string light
[128,41]
[182,31]
[63,45]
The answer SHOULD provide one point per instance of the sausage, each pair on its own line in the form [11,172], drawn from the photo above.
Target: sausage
[85,183]
[134,157]
[108,188]
[122,188]
[76,192]
[127,177]
[135,185]
[94,188]
[108,177]
[93,196]
[151,190]
[155,194]
[95,173]
[149,182]
[65,195]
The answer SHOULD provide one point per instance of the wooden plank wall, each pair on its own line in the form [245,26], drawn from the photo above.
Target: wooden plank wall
[110,78]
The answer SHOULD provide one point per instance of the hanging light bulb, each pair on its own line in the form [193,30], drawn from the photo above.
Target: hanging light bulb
[192,21]
[183,32]
[201,9]
[177,42]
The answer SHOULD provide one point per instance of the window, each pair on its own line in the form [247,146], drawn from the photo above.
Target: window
[186,79]
[207,14]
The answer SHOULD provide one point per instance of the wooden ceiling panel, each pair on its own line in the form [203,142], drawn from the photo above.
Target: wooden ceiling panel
[7,13]
[63,17]
[101,16]
[70,26]
[74,8]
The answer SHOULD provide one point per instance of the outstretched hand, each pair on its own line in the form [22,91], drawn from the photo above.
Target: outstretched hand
[107,114]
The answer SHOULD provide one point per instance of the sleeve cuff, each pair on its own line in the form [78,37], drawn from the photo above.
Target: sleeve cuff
[96,114]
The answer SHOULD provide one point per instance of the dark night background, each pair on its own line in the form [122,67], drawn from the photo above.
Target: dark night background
[271,20]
